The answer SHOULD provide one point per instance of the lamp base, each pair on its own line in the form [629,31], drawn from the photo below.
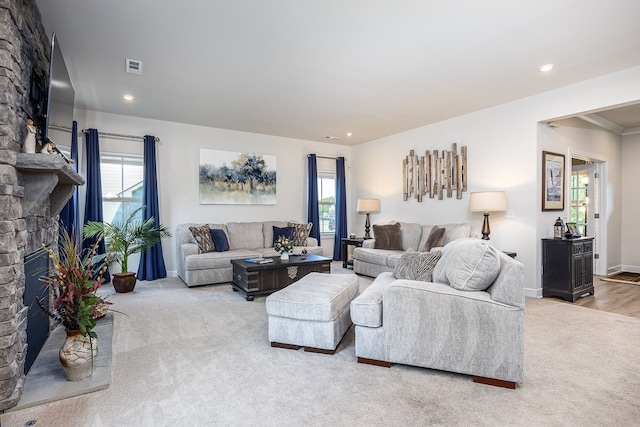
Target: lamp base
[367,228]
[485,227]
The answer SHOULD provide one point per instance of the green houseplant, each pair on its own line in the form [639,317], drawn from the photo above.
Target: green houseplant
[124,238]
[75,277]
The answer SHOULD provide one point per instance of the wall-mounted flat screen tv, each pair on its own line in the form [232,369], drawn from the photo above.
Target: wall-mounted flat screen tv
[61,97]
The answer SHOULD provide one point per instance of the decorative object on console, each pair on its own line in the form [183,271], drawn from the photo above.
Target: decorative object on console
[29,144]
[572,231]
[432,175]
[558,229]
[368,206]
[228,177]
[552,181]
[487,201]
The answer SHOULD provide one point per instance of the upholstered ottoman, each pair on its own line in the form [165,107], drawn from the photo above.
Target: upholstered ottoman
[312,313]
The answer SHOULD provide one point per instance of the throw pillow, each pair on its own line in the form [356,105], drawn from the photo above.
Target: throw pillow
[387,237]
[202,235]
[468,265]
[435,239]
[301,232]
[220,240]
[416,266]
[287,232]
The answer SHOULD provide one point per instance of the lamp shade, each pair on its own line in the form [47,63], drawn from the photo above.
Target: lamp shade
[368,205]
[488,201]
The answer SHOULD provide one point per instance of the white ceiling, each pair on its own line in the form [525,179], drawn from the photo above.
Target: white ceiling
[308,69]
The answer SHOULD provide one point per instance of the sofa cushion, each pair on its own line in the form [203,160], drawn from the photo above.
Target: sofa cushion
[267,231]
[388,236]
[456,231]
[220,241]
[468,265]
[416,266]
[286,232]
[375,256]
[245,235]
[213,260]
[202,234]
[301,233]
[435,239]
[411,234]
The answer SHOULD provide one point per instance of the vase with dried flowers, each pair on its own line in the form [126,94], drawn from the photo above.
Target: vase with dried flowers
[74,280]
[284,247]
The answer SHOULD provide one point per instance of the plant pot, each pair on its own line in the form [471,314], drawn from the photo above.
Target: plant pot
[77,355]
[124,282]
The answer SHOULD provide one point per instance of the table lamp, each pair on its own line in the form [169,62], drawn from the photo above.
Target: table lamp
[487,201]
[368,206]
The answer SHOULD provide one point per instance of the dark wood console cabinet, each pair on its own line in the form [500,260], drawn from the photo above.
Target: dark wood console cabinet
[567,266]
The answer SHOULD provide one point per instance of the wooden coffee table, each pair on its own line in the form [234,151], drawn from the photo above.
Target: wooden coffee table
[264,279]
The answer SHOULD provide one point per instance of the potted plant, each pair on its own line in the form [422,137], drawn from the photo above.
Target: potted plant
[74,279]
[124,239]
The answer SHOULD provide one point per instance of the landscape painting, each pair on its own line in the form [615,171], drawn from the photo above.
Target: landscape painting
[228,177]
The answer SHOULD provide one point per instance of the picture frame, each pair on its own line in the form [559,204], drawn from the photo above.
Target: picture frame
[553,179]
[572,230]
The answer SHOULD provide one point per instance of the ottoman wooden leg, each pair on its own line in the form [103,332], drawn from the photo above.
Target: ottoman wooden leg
[287,346]
[319,350]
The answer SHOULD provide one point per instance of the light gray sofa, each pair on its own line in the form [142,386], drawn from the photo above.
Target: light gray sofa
[439,326]
[246,240]
[371,262]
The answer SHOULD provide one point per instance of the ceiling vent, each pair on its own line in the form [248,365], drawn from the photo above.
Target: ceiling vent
[134,66]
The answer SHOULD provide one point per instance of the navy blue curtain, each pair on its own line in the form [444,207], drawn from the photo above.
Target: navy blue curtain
[93,200]
[151,265]
[313,214]
[68,216]
[341,209]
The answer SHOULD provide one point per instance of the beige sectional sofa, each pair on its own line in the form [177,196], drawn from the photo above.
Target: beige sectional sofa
[369,261]
[246,240]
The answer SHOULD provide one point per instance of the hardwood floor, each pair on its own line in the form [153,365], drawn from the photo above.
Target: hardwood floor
[619,298]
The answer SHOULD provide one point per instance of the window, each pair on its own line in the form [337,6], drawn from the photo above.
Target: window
[122,176]
[578,211]
[327,203]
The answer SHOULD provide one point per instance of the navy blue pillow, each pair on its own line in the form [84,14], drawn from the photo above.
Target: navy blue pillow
[219,240]
[283,231]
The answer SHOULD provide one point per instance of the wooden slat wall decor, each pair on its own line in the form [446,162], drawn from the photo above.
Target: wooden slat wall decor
[435,175]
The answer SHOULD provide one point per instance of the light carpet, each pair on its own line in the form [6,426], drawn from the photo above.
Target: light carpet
[200,357]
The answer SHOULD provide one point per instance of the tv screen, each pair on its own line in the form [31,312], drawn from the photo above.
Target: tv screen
[61,94]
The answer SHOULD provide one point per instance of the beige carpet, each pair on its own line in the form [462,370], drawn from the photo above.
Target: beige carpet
[200,357]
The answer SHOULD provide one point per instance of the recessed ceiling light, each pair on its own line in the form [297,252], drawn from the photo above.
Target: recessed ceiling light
[349,133]
[128,98]
[332,137]
[545,68]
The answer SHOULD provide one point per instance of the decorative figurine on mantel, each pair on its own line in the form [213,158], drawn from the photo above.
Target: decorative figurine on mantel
[29,143]
[48,148]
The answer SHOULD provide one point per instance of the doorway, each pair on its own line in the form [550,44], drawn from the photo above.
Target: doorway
[585,205]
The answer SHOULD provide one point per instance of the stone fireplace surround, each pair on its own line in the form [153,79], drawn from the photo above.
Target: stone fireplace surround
[33,187]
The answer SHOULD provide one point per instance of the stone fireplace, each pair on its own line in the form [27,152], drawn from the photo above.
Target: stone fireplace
[33,187]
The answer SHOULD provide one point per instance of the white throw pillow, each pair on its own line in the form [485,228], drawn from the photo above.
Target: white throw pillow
[468,265]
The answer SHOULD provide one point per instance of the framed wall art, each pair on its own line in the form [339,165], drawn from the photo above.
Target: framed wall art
[230,178]
[552,181]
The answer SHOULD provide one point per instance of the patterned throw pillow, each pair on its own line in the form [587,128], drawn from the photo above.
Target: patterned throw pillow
[202,235]
[300,233]
[417,266]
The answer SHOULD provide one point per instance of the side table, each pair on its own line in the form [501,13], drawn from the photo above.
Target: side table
[346,242]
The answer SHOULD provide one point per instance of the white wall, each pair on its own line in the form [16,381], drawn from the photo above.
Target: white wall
[178,159]
[630,202]
[504,154]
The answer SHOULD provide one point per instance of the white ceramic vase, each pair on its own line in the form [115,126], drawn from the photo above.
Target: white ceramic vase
[77,355]
[284,256]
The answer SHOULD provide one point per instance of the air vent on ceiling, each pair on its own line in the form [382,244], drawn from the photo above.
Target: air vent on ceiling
[134,66]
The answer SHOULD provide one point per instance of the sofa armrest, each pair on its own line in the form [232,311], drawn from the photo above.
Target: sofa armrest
[312,241]
[187,249]
[369,243]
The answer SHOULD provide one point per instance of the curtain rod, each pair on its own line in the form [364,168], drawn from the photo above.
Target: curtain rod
[324,157]
[120,135]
